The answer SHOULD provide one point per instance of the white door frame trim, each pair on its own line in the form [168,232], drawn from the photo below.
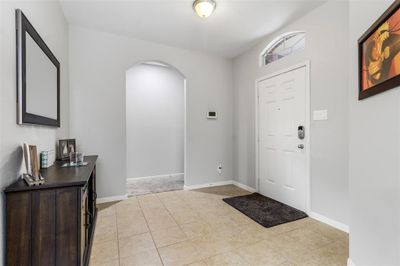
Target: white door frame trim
[305,64]
[185,125]
[185,108]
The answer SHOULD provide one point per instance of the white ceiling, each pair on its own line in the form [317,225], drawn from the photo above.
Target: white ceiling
[235,26]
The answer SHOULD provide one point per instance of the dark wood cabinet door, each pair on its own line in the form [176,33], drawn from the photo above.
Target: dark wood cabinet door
[19,229]
[52,224]
[94,187]
[84,225]
[44,228]
[67,230]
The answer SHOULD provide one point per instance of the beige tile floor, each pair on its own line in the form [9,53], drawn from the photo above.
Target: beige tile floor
[198,228]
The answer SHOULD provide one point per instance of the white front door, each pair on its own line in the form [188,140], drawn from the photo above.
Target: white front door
[282,155]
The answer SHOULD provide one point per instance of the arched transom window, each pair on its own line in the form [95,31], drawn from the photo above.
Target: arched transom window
[282,46]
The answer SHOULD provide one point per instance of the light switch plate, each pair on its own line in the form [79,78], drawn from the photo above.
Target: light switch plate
[320,115]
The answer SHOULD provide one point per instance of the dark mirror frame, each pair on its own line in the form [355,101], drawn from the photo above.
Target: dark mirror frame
[23,27]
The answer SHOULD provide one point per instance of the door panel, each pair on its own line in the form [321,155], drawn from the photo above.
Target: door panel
[44,227]
[271,117]
[67,226]
[288,112]
[281,109]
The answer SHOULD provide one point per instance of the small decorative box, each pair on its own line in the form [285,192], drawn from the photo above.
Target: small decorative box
[46,159]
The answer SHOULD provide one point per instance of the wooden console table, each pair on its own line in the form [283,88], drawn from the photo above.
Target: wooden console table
[52,224]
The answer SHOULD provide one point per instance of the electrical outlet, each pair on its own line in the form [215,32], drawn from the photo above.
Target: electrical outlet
[219,168]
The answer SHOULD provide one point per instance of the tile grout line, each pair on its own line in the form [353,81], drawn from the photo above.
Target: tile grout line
[308,250]
[234,250]
[116,224]
[170,213]
[185,200]
[142,233]
[223,252]
[197,213]
[202,259]
[173,218]
[110,240]
[151,234]
[187,239]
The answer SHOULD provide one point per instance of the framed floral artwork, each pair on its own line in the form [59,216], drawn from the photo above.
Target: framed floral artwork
[379,54]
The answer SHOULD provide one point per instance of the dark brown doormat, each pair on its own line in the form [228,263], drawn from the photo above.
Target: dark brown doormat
[264,210]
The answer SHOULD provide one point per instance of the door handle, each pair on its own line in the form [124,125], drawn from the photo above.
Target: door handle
[300,146]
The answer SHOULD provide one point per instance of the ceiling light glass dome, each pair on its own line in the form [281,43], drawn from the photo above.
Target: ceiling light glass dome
[204,8]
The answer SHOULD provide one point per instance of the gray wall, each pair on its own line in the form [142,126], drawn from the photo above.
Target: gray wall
[327,49]
[98,62]
[154,120]
[48,20]
[374,173]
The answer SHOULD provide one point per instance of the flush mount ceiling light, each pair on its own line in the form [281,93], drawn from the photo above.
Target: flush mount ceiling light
[204,8]
[154,63]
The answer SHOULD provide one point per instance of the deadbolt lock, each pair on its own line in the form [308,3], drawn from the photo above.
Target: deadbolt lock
[301,132]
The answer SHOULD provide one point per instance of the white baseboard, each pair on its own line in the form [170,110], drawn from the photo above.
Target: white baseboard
[350,262]
[215,184]
[111,199]
[245,187]
[314,215]
[329,221]
[221,183]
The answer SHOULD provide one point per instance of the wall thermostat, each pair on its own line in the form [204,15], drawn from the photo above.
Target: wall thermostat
[211,115]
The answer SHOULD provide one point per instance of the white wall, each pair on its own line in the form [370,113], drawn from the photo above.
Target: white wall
[326,48]
[49,21]
[374,172]
[154,120]
[98,62]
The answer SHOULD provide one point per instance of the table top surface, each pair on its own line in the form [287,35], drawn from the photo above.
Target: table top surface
[57,176]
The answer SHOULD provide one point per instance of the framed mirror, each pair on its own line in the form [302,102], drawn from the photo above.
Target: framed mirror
[38,77]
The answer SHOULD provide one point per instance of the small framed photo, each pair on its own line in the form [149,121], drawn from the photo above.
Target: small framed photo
[379,54]
[71,146]
[65,147]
